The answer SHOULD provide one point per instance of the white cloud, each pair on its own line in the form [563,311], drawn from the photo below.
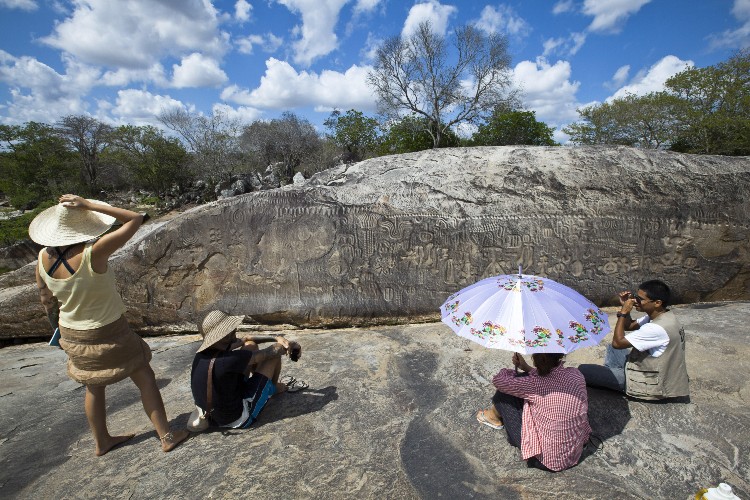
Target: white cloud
[41,94]
[652,80]
[197,70]
[562,6]
[502,19]
[29,5]
[609,15]
[242,10]
[737,38]
[282,87]
[620,76]
[242,114]
[140,107]
[363,6]
[547,90]
[122,76]
[269,43]
[370,50]
[433,11]
[144,32]
[319,17]
[564,46]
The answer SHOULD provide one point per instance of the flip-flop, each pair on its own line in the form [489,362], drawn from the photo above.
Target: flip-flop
[292,384]
[482,419]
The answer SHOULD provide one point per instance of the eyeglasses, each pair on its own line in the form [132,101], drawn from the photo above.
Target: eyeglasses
[639,300]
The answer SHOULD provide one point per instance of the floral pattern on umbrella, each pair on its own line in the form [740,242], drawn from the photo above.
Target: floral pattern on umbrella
[525,314]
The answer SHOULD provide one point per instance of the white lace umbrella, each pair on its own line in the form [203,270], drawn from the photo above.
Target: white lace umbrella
[525,314]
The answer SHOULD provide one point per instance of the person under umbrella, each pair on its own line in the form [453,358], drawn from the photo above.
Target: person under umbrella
[73,272]
[544,411]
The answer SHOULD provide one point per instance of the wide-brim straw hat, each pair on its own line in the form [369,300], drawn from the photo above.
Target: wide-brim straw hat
[60,226]
[216,326]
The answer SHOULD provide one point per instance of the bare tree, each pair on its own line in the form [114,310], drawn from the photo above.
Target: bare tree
[420,74]
[89,137]
[212,140]
[289,140]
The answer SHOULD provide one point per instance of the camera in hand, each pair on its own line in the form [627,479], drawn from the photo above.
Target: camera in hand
[295,352]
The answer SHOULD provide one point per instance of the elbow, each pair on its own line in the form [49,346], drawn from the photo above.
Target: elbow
[620,344]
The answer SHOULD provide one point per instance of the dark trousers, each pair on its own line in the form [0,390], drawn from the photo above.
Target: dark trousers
[510,409]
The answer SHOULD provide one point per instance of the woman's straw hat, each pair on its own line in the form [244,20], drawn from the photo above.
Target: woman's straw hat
[60,226]
[216,326]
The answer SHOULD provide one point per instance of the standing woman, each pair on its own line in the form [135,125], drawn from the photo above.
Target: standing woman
[95,335]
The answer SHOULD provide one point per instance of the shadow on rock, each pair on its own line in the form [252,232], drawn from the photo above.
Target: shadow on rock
[291,405]
[609,413]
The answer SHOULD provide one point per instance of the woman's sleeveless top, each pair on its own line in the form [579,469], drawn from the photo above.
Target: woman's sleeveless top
[88,299]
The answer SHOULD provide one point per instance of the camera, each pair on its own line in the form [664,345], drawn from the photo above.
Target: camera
[295,352]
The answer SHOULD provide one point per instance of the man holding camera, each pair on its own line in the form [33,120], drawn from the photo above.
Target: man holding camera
[232,379]
[654,368]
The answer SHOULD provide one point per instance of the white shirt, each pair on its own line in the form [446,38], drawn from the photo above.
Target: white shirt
[649,337]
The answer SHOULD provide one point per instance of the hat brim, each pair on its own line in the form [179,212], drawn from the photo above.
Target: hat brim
[61,226]
[219,332]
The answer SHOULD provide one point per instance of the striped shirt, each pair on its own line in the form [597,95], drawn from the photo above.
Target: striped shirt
[555,414]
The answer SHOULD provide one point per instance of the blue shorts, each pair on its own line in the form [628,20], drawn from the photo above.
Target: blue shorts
[258,390]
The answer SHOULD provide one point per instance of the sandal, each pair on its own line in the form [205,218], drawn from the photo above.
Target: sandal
[482,419]
[292,384]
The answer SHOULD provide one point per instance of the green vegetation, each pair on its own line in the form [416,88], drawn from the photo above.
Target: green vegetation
[505,128]
[702,111]
[17,229]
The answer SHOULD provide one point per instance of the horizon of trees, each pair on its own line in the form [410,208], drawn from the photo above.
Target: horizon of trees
[702,110]
[79,153]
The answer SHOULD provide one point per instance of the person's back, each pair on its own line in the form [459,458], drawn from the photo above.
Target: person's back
[228,382]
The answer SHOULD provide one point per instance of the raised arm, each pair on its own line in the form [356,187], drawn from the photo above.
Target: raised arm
[110,242]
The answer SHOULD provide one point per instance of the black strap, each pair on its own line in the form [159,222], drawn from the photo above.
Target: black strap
[210,386]
[61,260]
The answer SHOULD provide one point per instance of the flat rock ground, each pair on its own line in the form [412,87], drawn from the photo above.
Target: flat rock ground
[389,414]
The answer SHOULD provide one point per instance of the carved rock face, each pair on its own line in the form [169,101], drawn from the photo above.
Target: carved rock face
[388,239]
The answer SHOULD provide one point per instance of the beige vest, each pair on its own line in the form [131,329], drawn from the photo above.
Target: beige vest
[648,377]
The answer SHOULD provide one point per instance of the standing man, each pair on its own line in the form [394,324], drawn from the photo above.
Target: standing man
[655,367]
[232,379]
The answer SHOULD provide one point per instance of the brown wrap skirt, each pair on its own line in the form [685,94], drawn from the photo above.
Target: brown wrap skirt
[104,355]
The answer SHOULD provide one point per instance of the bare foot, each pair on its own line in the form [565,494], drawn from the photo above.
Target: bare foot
[171,440]
[280,388]
[111,443]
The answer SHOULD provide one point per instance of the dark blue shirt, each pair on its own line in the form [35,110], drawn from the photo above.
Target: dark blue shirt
[228,382]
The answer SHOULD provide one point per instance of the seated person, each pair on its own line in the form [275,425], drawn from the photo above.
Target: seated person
[655,366]
[243,377]
[544,411]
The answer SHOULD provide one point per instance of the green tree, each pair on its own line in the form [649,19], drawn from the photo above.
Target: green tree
[410,134]
[715,115]
[88,137]
[513,127]
[35,163]
[702,110]
[444,83]
[213,141]
[648,121]
[353,132]
[155,162]
[285,142]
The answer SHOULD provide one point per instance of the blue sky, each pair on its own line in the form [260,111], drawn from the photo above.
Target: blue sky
[126,61]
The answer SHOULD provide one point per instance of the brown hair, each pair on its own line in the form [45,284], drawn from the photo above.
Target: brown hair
[544,362]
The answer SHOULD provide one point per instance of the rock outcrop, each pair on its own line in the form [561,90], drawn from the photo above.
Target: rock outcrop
[388,239]
[389,414]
